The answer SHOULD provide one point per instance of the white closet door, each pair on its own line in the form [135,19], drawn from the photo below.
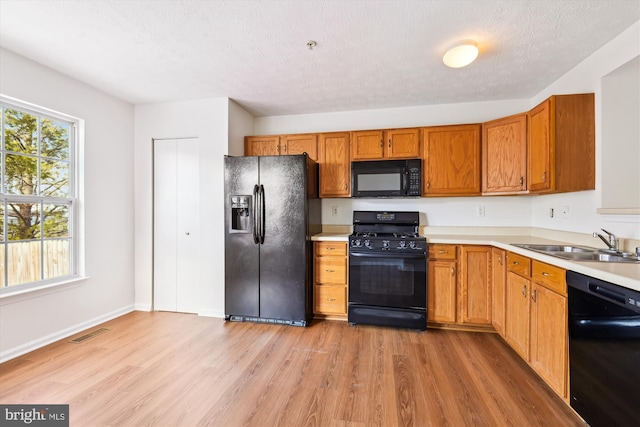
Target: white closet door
[175,225]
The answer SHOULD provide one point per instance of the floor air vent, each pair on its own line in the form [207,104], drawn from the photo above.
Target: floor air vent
[90,335]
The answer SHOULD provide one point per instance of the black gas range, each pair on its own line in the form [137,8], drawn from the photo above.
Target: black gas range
[387,270]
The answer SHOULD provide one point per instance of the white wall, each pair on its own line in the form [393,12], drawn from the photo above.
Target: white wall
[41,317]
[586,77]
[219,124]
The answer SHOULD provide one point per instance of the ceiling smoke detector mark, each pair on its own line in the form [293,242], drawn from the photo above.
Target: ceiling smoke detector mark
[311,44]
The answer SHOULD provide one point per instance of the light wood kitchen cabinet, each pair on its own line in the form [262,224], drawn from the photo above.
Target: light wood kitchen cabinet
[367,145]
[262,145]
[385,144]
[549,330]
[498,289]
[276,145]
[504,155]
[561,144]
[517,303]
[458,285]
[402,143]
[474,293]
[536,318]
[330,279]
[335,165]
[299,144]
[442,283]
[451,160]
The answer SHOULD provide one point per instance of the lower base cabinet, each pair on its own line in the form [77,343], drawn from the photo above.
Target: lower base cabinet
[459,285]
[536,318]
[330,280]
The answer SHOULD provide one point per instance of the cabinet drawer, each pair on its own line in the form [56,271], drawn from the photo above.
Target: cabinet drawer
[331,270]
[551,277]
[442,251]
[519,264]
[330,299]
[331,248]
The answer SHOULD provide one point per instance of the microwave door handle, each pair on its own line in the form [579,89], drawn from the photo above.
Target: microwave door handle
[405,181]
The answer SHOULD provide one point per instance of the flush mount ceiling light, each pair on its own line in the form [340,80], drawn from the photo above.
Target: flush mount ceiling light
[461,54]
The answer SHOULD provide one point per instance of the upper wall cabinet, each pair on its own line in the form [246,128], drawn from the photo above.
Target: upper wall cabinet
[561,144]
[451,160]
[504,155]
[334,163]
[385,144]
[278,145]
[261,145]
[298,144]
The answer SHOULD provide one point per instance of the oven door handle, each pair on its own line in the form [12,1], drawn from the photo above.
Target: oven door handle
[388,255]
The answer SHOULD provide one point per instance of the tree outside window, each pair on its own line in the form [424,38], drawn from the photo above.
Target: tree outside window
[37,197]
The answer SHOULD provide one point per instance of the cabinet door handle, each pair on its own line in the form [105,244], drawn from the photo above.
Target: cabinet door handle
[330,249]
[453,271]
[516,263]
[345,186]
[428,184]
[331,299]
[278,149]
[441,251]
[500,259]
[544,176]
[545,274]
[521,181]
[389,144]
[330,271]
[533,295]
[524,291]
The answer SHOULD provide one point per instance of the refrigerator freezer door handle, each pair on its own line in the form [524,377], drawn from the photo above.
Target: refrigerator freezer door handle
[262,212]
[255,215]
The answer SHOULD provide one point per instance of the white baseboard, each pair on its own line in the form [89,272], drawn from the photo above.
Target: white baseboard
[211,313]
[41,342]
[142,307]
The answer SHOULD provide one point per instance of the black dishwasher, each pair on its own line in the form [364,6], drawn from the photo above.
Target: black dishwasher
[604,351]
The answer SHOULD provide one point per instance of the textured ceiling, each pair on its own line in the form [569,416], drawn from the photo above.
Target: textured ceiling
[369,54]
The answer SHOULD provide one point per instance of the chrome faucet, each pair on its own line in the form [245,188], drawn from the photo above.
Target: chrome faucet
[612,242]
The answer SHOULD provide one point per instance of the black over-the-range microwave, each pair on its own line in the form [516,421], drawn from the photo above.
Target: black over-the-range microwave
[386,178]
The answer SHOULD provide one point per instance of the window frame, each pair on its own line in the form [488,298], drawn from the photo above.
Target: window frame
[73,199]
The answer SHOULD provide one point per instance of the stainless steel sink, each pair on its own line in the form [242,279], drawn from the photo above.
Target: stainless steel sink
[557,248]
[597,256]
[579,253]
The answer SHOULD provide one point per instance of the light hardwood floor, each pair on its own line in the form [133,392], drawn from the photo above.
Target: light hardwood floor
[171,369]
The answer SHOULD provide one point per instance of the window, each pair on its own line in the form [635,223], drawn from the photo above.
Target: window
[38,197]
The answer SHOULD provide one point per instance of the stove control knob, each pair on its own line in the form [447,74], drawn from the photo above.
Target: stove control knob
[412,244]
[367,243]
[385,244]
[403,243]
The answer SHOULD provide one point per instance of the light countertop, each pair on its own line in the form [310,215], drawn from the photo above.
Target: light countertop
[627,275]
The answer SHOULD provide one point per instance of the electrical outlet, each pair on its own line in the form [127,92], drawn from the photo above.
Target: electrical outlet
[334,211]
[480,211]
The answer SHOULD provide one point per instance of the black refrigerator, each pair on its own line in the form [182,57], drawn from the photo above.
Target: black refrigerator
[271,211]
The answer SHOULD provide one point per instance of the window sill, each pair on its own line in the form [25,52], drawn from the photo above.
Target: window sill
[11,296]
